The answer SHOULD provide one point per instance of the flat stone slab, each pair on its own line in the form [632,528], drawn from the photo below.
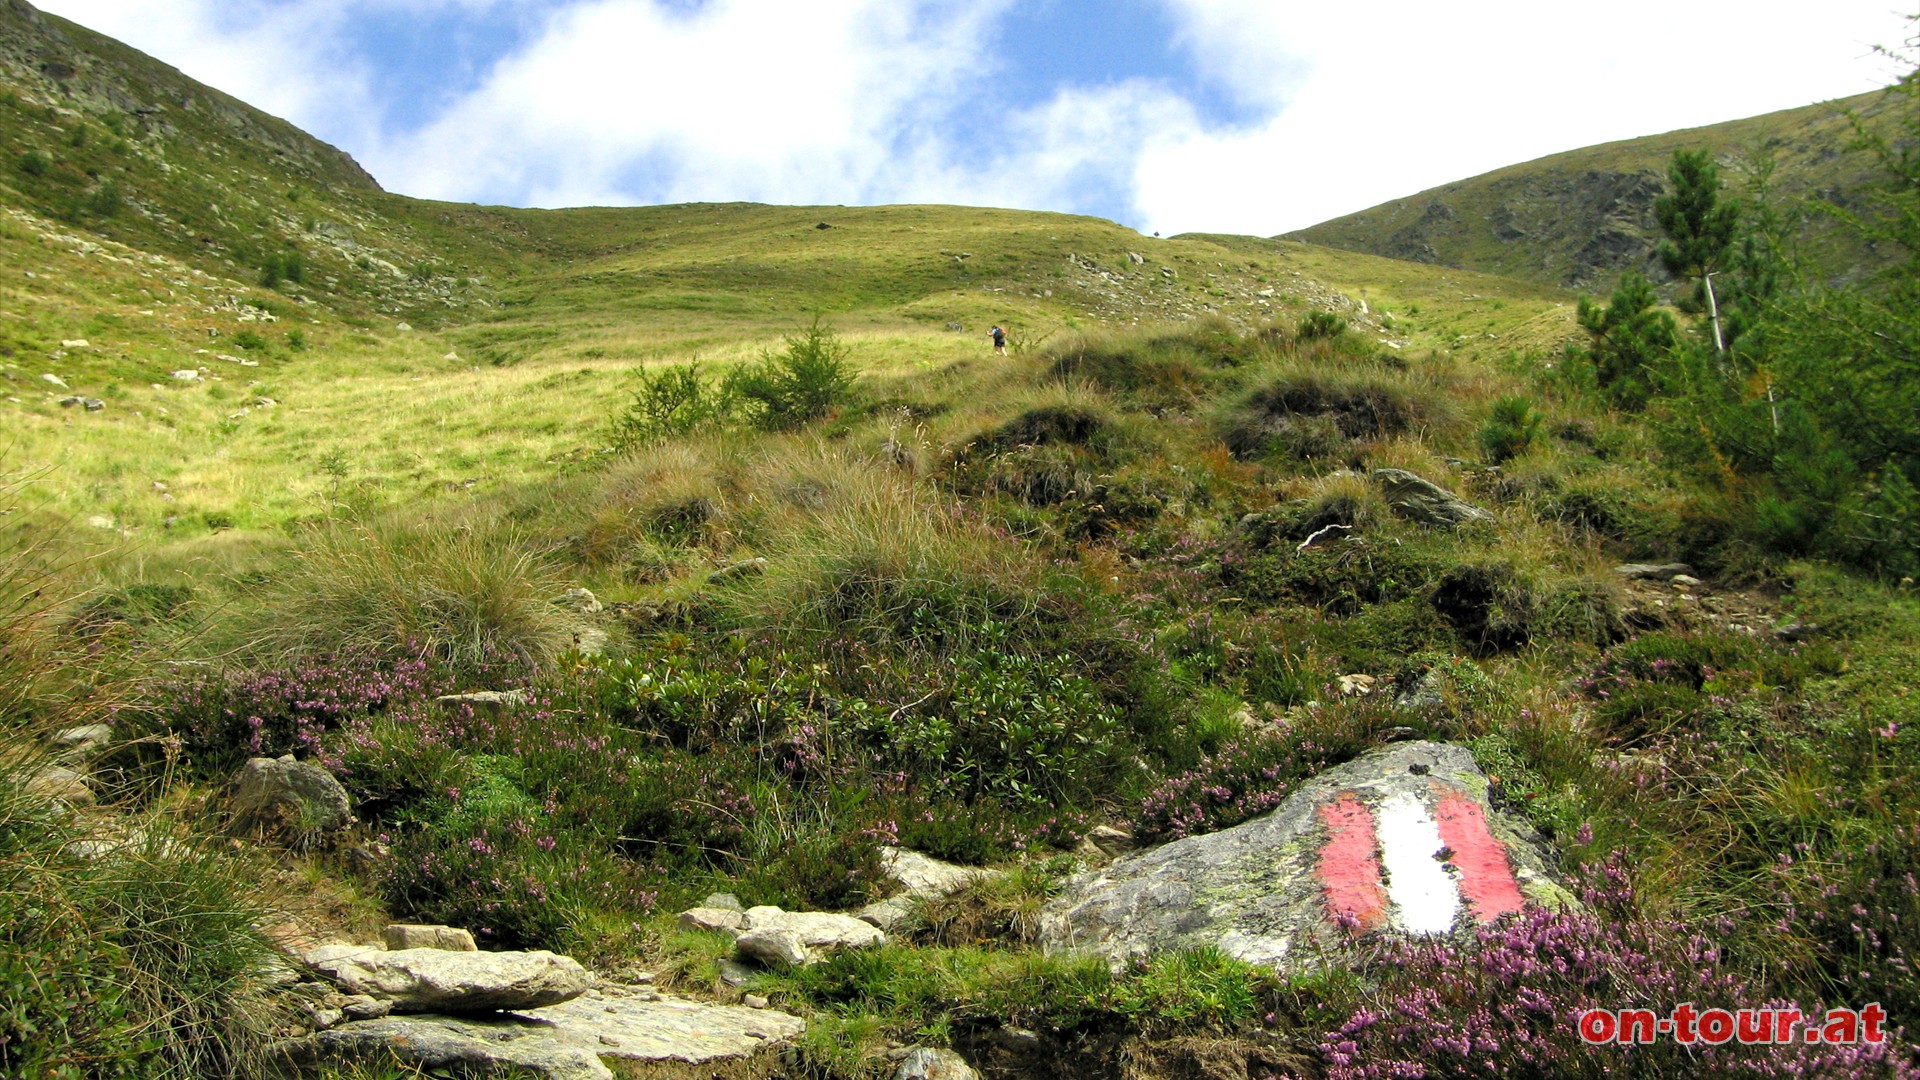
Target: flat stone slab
[442,981]
[569,1041]
[1399,841]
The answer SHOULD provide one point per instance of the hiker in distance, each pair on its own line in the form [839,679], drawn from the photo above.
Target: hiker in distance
[999,341]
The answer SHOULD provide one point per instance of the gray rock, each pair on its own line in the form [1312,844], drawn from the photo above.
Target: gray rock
[1652,571]
[733,972]
[281,795]
[362,1007]
[54,380]
[1425,502]
[400,936]
[81,741]
[723,900]
[582,601]
[705,918]
[92,404]
[492,702]
[923,875]
[1796,631]
[779,938]
[1109,840]
[439,1045]
[891,915]
[186,375]
[58,784]
[929,1063]
[437,980]
[1357,849]
[639,1025]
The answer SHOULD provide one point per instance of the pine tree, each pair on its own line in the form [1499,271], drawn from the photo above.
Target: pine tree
[1700,226]
[1629,338]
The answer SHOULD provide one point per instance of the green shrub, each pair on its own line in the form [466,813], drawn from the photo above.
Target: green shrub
[799,385]
[1511,429]
[1320,325]
[669,402]
[33,163]
[280,267]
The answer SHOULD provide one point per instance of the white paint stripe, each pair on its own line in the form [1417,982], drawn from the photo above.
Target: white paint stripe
[1425,898]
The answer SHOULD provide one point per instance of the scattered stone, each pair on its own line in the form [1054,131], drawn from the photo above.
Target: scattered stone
[100,521]
[1652,571]
[186,375]
[823,225]
[582,601]
[928,1063]
[92,404]
[723,900]
[733,972]
[743,568]
[284,796]
[706,918]
[58,784]
[76,343]
[437,980]
[1372,846]
[1356,685]
[956,327]
[399,936]
[755,1001]
[1425,502]
[80,742]
[70,401]
[493,702]
[1111,840]
[923,875]
[1687,581]
[454,355]
[1795,631]
[779,938]
[54,380]
[440,1045]
[403,327]
[1136,258]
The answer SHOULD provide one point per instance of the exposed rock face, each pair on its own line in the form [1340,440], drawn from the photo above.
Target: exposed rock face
[1425,502]
[918,876]
[281,794]
[1400,840]
[797,938]
[570,1041]
[437,980]
[488,702]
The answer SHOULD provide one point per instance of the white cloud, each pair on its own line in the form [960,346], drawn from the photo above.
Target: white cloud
[1387,97]
[856,101]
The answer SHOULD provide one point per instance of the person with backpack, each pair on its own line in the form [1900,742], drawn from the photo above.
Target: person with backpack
[999,341]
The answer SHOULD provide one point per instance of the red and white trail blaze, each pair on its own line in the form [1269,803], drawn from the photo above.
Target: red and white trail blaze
[1412,863]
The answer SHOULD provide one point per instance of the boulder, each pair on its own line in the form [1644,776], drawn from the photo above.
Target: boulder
[82,741]
[570,1041]
[438,980]
[1399,841]
[401,936]
[186,375]
[281,795]
[1425,502]
[924,875]
[779,938]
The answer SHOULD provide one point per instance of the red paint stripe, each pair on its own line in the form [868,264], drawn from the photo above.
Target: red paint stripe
[1485,878]
[1350,865]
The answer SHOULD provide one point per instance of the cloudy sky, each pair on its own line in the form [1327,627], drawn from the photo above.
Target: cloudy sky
[1246,116]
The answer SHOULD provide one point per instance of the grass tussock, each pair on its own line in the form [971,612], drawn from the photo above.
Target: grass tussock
[475,598]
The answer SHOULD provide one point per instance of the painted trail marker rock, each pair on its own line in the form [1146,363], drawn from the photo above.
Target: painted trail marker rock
[1401,840]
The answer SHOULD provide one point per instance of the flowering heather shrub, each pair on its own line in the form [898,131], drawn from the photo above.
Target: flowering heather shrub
[1256,772]
[1508,1003]
[225,715]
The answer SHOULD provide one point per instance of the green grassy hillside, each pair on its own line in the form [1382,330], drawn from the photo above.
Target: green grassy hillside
[313,454]
[1577,219]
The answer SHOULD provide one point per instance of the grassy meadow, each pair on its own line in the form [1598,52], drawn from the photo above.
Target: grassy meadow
[1112,579]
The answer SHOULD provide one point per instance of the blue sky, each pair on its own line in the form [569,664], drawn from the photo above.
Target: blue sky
[1249,116]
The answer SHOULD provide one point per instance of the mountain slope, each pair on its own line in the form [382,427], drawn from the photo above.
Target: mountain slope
[1579,218]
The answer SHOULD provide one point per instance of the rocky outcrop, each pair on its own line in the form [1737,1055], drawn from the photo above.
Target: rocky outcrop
[1422,501]
[569,1041]
[287,797]
[919,877]
[929,1063]
[1401,841]
[438,980]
